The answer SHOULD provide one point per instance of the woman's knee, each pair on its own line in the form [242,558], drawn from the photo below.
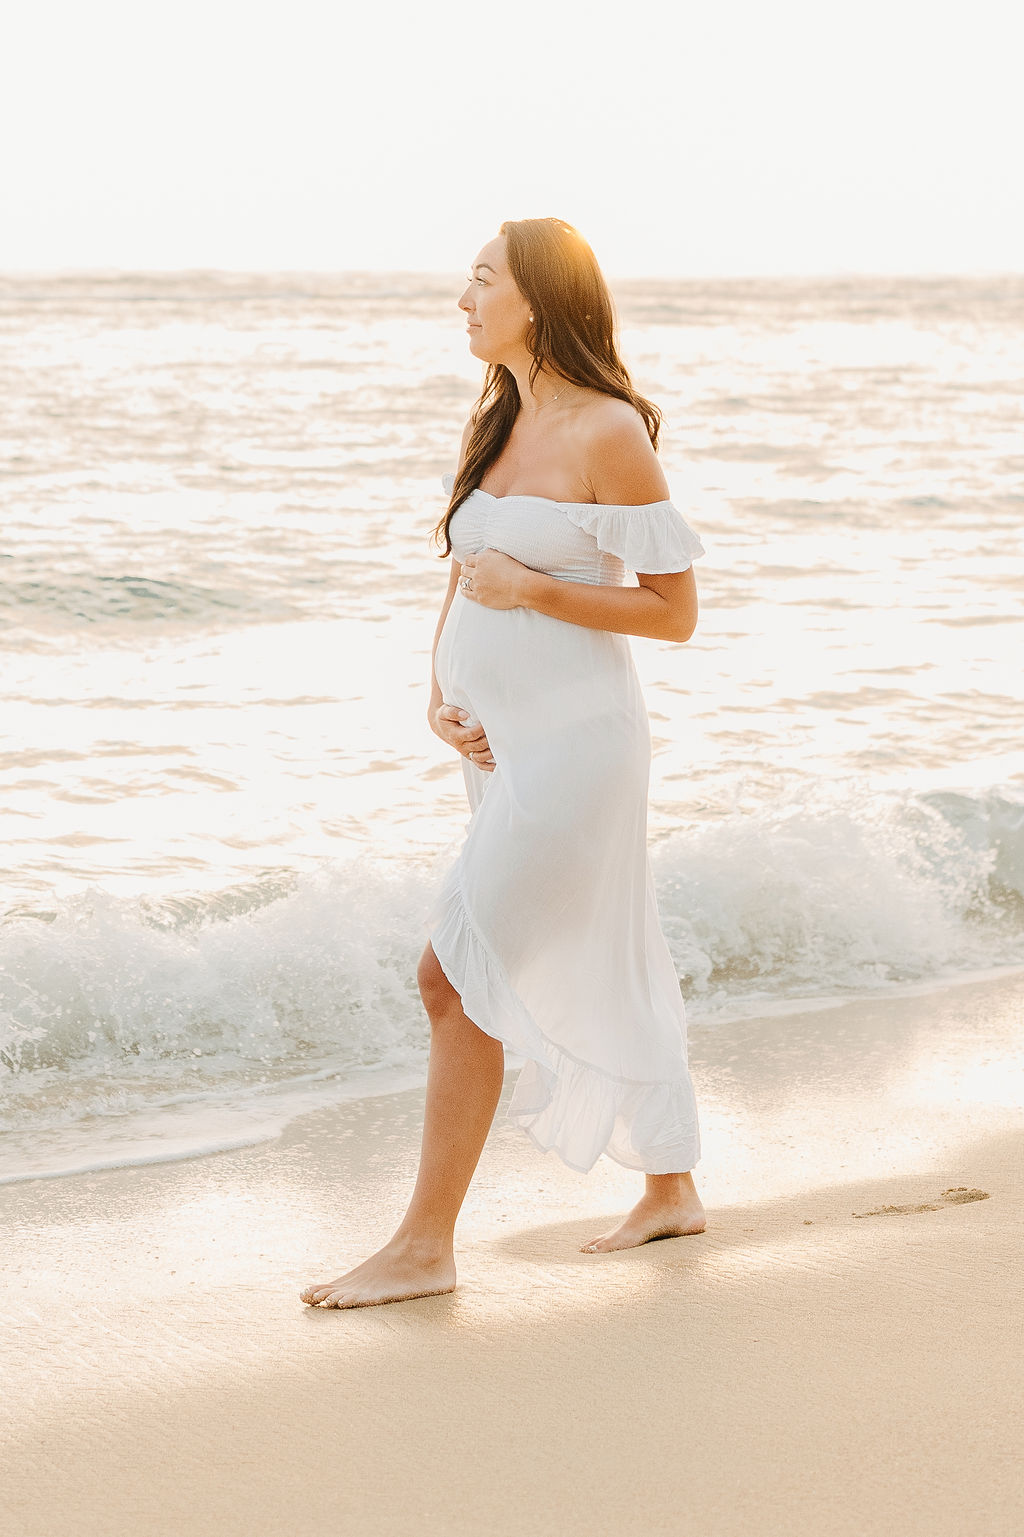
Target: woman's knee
[437,992]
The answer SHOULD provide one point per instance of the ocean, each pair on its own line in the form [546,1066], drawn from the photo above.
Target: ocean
[223,811]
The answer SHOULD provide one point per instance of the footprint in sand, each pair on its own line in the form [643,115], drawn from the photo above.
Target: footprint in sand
[956,1195]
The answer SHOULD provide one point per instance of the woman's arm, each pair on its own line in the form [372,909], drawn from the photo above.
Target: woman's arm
[663,607]
[445,720]
[436,696]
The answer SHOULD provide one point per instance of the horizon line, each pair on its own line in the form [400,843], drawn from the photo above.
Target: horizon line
[789,274]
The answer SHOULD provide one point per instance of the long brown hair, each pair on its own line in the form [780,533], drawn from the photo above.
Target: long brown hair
[572,335]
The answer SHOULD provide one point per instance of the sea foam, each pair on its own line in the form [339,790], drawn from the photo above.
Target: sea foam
[110,1005]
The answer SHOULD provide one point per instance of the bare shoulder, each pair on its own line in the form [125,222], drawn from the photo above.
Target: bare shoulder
[622,466]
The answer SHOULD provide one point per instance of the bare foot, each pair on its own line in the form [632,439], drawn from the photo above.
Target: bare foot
[652,1218]
[394,1274]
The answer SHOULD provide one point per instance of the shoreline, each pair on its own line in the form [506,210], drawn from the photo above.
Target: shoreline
[280,1106]
[811,1363]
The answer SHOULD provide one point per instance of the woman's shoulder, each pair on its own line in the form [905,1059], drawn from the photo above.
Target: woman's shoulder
[622,464]
[602,414]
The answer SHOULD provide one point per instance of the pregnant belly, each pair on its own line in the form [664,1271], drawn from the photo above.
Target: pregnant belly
[529,679]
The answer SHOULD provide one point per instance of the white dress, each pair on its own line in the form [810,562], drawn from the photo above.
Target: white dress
[547,924]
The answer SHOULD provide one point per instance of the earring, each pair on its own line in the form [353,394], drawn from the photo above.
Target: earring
[531,317]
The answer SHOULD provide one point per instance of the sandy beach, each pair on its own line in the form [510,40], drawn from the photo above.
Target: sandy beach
[838,1353]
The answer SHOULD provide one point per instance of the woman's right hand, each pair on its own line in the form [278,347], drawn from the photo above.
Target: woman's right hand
[460,730]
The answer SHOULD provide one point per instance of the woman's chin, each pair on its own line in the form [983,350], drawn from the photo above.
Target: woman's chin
[480,350]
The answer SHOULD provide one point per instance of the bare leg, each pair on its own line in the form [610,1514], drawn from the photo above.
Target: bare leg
[464,1081]
[669,1208]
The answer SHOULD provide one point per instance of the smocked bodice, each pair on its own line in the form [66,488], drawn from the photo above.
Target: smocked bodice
[577,541]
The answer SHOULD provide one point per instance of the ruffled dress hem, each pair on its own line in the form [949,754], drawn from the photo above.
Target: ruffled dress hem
[562,1104]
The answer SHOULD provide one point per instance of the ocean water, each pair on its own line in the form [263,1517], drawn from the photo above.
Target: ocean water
[223,812]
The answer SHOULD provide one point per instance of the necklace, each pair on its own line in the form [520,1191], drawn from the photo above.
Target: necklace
[551,401]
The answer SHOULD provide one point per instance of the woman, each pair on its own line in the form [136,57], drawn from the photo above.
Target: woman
[545,935]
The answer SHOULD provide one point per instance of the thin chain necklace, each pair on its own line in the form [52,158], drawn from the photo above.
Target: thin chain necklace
[552,400]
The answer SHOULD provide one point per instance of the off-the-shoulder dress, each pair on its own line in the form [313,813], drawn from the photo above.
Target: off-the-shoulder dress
[547,923]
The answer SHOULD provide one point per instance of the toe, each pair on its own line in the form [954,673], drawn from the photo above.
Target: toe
[339,1299]
[315,1294]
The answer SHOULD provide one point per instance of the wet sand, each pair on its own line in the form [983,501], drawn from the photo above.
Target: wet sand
[838,1353]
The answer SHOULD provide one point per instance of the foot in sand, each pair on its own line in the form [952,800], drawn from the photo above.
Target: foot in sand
[394,1274]
[652,1217]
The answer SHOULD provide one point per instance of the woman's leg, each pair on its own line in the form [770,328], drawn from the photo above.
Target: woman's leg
[669,1208]
[464,1081]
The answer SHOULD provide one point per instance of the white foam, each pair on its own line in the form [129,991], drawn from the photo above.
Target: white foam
[134,1030]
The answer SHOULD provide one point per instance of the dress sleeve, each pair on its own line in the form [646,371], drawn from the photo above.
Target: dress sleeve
[448,481]
[653,538]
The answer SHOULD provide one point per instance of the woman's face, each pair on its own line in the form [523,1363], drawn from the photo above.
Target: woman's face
[497,315]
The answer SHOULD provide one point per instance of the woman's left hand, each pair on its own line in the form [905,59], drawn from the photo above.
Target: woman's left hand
[496,580]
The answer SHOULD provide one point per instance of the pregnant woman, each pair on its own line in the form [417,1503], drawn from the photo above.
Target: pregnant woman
[545,935]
